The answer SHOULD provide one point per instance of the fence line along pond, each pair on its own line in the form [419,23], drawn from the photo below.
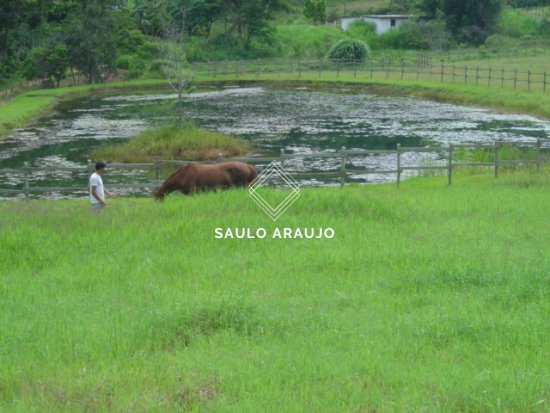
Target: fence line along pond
[538,155]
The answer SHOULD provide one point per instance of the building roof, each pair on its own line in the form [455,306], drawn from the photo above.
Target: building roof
[390,16]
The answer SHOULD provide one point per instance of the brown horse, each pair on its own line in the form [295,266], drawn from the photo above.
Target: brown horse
[195,177]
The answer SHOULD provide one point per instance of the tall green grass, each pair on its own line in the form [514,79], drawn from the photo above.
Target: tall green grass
[173,141]
[429,298]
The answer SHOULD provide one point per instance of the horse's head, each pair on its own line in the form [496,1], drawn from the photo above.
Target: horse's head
[159,194]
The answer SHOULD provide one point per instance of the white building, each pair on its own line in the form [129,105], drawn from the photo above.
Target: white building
[383,22]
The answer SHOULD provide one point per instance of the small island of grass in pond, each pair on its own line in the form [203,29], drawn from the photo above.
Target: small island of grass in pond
[175,141]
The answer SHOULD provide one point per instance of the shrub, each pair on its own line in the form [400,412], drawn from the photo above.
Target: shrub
[414,35]
[362,30]
[349,49]
[136,67]
[123,62]
[514,24]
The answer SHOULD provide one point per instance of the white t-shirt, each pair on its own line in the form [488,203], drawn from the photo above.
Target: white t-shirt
[95,180]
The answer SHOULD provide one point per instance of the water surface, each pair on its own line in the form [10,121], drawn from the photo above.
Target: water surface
[295,120]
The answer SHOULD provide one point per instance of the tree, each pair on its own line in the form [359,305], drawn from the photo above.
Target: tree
[402,5]
[252,19]
[470,20]
[12,13]
[48,63]
[173,53]
[149,16]
[316,10]
[90,37]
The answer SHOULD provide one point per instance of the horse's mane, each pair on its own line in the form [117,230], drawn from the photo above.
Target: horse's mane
[177,171]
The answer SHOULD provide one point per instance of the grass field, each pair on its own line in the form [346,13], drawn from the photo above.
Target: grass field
[428,299]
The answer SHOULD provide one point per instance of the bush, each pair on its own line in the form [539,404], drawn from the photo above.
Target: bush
[123,62]
[362,30]
[136,67]
[514,24]
[414,35]
[349,49]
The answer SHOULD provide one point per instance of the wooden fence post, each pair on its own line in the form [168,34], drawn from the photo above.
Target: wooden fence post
[544,82]
[539,154]
[156,167]
[497,147]
[398,147]
[343,167]
[450,165]
[489,77]
[26,188]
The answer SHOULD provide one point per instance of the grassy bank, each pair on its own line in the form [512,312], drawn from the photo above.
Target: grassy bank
[505,100]
[24,108]
[428,298]
[184,141]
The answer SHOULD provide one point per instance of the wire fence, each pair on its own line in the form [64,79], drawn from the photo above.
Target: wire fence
[535,154]
[384,64]
[417,69]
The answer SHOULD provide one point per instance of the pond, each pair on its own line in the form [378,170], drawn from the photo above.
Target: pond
[296,120]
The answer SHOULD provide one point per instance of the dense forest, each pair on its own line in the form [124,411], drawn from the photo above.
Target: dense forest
[54,39]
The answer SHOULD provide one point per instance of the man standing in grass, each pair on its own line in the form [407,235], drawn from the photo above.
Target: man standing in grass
[97,192]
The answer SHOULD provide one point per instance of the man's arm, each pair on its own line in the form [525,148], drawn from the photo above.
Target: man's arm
[96,196]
